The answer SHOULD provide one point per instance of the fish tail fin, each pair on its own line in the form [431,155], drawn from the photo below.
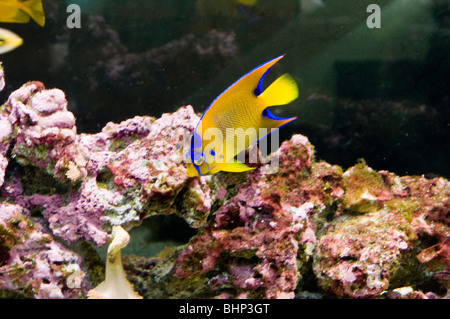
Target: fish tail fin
[282,91]
[36,11]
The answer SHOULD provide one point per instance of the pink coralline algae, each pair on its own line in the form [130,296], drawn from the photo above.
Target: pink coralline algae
[298,229]
[32,261]
[360,268]
[41,133]
[365,255]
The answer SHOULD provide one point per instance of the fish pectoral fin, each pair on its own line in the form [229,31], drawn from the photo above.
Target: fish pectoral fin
[282,91]
[236,167]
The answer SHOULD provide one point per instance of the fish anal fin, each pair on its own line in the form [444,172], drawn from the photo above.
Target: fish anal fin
[282,91]
[271,121]
[236,167]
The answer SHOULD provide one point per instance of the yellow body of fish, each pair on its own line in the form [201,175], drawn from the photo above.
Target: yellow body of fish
[8,41]
[20,11]
[236,119]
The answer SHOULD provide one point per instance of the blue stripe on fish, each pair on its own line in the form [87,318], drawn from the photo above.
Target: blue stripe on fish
[270,115]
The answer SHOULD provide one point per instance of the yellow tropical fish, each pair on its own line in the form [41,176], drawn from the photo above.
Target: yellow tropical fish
[8,41]
[246,2]
[20,11]
[236,119]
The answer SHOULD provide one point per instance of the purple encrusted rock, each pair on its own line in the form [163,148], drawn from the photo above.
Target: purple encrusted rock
[32,262]
[49,101]
[272,232]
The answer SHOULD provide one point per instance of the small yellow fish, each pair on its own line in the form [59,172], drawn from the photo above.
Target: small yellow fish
[20,11]
[246,2]
[9,41]
[236,119]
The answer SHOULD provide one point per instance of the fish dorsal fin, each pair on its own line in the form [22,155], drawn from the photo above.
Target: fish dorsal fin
[282,91]
[247,84]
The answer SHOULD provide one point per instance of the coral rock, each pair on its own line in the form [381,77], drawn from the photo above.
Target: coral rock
[355,259]
[292,227]
[32,262]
